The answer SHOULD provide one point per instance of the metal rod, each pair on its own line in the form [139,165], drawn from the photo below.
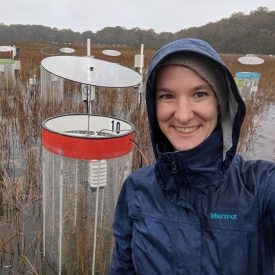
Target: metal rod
[44,207]
[88,46]
[89,107]
[75,190]
[102,205]
[96,216]
[140,88]
[53,207]
[60,214]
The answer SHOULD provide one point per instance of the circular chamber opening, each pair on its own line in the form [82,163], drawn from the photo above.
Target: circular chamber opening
[86,136]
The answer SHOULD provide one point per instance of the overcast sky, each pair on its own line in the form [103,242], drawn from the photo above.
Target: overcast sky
[94,15]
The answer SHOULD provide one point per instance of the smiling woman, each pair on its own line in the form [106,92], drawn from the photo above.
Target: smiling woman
[201,208]
[187,108]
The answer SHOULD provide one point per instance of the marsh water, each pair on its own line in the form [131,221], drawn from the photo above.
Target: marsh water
[263,144]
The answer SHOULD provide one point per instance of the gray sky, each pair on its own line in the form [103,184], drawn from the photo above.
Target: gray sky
[94,15]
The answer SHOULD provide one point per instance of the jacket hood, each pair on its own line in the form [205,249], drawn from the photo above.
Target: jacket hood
[231,123]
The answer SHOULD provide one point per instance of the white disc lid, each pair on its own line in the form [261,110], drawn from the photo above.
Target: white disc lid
[91,71]
[251,60]
[111,52]
[6,48]
[67,50]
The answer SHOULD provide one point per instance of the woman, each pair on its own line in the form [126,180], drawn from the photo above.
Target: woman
[201,208]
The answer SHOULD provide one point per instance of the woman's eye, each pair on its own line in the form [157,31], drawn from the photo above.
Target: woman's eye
[166,96]
[201,94]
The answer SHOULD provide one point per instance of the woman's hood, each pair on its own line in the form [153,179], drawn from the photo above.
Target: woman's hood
[231,123]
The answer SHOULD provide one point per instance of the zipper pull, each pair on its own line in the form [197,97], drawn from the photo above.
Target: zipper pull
[174,168]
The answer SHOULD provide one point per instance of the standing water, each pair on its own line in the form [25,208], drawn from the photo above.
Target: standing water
[263,144]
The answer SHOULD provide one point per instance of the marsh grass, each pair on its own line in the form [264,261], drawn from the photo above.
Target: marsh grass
[21,151]
[257,105]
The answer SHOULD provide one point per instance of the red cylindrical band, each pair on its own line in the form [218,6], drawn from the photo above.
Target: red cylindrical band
[83,147]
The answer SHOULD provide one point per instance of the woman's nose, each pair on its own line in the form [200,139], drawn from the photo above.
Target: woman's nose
[184,111]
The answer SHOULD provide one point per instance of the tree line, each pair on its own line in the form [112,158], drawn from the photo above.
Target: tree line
[240,33]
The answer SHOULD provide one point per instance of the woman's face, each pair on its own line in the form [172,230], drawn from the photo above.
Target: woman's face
[187,108]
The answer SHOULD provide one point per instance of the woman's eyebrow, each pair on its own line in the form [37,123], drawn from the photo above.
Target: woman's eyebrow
[196,88]
[206,87]
[203,86]
[162,89]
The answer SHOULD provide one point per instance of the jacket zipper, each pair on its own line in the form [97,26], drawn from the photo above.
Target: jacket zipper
[174,166]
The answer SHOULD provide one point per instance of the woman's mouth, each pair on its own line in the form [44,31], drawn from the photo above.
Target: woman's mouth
[186,129]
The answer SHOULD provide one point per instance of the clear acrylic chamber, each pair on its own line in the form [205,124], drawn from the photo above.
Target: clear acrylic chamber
[52,88]
[83,171]
[6,73]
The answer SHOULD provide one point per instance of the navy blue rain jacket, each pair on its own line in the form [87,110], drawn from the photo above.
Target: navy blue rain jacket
[196,212]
